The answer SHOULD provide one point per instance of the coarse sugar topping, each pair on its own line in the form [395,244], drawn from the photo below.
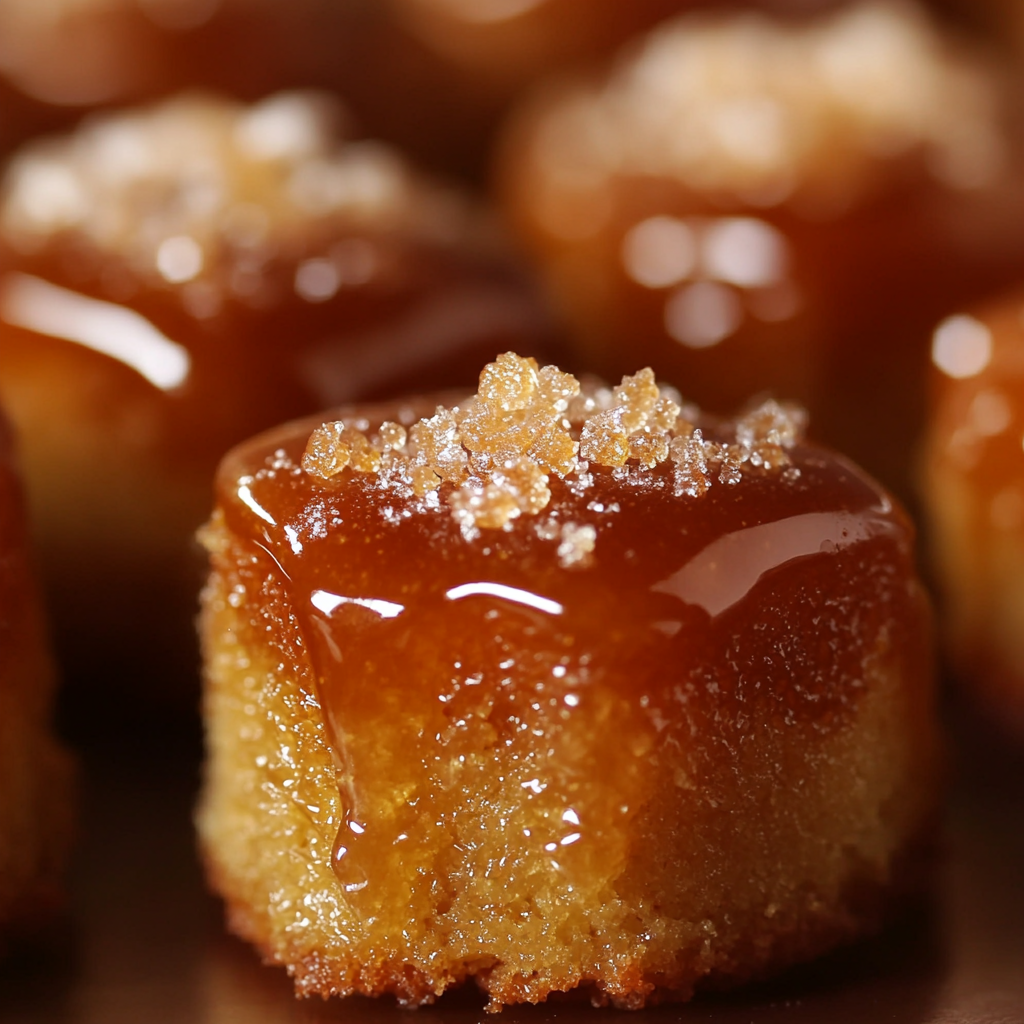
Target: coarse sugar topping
[498,450]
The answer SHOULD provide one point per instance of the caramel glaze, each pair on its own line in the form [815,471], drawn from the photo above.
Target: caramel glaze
[699,623]
[430,316]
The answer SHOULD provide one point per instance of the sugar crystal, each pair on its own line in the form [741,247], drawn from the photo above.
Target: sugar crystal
[499,449]
[577,545]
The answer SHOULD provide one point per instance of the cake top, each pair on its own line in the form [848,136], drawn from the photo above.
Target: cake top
[772,111]
[537,463]
[201,188]
[525,422]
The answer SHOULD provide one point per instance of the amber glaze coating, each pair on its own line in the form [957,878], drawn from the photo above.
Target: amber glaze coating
[604,693]
[35,797]
[748,226]
[250,266]
[973,488]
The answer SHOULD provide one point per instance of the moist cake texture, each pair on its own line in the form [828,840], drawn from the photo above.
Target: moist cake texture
[557,688]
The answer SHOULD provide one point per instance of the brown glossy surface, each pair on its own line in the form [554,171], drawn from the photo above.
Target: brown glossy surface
[425,316]
[757,605]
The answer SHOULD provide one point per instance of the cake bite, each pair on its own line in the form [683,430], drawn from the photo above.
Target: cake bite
[559,687]
[35,773]
[973,491]
[176,278]
[765,203]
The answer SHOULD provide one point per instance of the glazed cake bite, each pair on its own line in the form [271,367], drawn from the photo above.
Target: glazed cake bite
[556,688]
[973,491]
[174,279]
[35,773]
[758,202]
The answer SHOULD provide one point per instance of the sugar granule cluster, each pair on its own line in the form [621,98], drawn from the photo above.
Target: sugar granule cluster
[498,449]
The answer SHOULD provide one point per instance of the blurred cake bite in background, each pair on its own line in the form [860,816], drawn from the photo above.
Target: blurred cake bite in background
[973,489]
[59,58]
[747,203]
[175,278]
